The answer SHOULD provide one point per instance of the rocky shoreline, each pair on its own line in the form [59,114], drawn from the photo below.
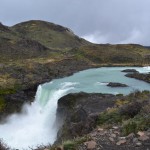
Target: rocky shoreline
[104,121]
[139,76]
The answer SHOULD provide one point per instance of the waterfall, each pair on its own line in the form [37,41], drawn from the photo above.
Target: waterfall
[34,125]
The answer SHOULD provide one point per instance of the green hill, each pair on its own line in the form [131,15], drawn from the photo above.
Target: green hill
[49,34]
[34,39]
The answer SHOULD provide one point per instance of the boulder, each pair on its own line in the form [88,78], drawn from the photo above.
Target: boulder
[130,71]
[91,145]
[115,84]
[121,142]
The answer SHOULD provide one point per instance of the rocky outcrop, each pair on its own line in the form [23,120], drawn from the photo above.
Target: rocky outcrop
[139,76]
[115,84]
[79,112]
[130,71]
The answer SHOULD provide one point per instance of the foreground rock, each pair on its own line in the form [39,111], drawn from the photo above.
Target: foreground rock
[114,84]
[104,121]
[80,113]
[103,140]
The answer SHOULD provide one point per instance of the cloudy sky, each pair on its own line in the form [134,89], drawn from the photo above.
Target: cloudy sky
[100,21]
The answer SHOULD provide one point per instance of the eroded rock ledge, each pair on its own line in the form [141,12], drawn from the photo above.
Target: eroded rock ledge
[80,112]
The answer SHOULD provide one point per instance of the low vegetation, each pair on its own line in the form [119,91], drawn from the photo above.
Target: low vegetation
[131,112]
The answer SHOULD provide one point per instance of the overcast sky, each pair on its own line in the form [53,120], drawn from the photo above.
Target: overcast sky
[100,21]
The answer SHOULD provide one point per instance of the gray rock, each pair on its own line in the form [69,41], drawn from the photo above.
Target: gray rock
[138,144]
[121,142]
[131,135]
[115,84]
[143,138]
[91,145]
[113,135]
[111,139]
[130,70]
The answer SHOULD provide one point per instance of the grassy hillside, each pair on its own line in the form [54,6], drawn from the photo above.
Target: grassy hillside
[34,39]
[49,34]
[107,54]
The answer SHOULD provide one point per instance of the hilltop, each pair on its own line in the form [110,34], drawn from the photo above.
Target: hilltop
[34,39]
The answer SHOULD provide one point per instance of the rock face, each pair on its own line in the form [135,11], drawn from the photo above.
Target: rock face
[79,112]
[114,84]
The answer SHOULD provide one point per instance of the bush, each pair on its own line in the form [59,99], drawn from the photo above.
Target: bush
[130,110]
[130,127]
[69,145]
[72,145]
[138,123]
[109,117]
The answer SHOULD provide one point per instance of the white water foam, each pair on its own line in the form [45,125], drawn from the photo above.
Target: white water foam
[144,69]
[102,83]
[147,69]
[35,125]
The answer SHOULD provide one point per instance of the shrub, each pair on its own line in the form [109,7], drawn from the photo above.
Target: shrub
[69,145]
[130,110]
[72,145]
[130,127]
[109,117]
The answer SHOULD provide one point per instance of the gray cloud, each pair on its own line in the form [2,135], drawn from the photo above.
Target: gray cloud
[101,21]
